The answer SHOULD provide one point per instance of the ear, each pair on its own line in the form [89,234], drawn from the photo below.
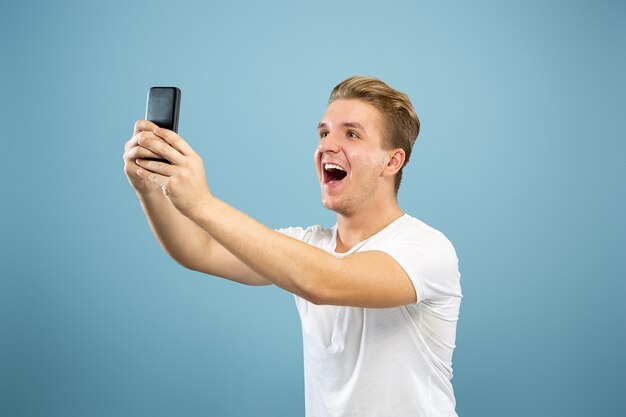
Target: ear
[396,161]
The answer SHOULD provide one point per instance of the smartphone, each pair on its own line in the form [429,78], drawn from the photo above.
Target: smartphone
[162,108]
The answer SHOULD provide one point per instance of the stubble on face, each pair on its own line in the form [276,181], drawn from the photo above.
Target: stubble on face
[350,203]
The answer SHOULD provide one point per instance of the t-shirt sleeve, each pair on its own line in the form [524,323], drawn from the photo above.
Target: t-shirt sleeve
[429,260]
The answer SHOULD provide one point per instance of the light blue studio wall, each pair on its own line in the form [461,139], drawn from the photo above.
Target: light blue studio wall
[520,163]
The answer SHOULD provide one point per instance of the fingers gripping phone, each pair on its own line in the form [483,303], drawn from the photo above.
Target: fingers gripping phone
[162,108]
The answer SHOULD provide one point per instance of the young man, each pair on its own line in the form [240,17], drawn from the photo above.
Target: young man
[378,294]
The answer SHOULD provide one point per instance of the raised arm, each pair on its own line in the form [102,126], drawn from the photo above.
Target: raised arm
[182,239]
[365,279]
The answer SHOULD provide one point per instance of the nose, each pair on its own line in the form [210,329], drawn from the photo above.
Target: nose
[329,143]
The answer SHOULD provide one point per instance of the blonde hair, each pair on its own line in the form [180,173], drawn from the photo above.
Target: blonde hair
[402,123]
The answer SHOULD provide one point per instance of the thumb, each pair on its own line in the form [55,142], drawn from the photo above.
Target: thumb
[144,125]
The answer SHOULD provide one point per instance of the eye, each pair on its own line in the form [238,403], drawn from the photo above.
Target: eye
[352,134]
[323,133]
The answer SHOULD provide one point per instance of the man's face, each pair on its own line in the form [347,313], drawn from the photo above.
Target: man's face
[350,158]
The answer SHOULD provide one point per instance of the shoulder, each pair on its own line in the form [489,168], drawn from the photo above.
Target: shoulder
[426,255]
[414,232]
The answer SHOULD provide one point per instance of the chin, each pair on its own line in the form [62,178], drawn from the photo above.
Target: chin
[339,207]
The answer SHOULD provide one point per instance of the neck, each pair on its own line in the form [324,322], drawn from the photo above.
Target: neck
[354,228]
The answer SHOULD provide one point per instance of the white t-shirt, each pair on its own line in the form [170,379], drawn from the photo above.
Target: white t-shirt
[381,362]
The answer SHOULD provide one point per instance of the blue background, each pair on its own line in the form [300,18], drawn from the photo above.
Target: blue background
[520,162]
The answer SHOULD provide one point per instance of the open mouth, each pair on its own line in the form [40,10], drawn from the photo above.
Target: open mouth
[333,173]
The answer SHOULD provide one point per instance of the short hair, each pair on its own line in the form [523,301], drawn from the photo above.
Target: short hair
[402,123]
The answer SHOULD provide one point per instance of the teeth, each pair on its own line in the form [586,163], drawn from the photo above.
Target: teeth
[333,166]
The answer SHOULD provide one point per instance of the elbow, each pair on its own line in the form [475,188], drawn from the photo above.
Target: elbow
[318,290]
[179,260]
[315,297]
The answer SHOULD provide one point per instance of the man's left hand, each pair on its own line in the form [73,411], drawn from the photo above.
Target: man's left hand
[184,180]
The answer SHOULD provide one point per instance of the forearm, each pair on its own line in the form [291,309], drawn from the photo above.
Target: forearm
[288,263]
[180,237]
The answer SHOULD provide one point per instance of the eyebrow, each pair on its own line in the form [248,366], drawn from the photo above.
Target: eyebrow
[354,125]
